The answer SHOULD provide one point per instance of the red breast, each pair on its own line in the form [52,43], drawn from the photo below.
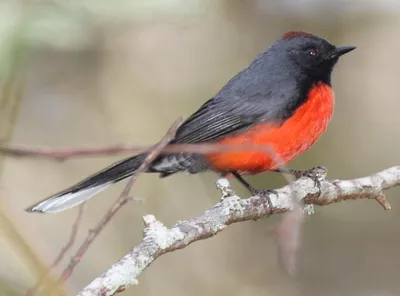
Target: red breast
[289,140]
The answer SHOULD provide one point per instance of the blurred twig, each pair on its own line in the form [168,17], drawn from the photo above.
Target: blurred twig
[12,81]
[288,231]
[159,240]
[67,153]
[25,252]
[288,234]
[63,251]
[121,201]
[63,154]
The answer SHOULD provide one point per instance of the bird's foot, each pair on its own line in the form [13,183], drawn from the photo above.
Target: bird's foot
[266,194]
[314,172]
[254,191]
[317,174]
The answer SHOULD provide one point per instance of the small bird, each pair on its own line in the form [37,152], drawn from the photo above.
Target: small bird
[282,99]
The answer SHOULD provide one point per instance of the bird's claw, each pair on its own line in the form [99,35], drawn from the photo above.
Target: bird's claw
[265,193]
[317,174]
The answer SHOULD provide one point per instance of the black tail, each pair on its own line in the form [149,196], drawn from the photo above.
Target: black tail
[87,188]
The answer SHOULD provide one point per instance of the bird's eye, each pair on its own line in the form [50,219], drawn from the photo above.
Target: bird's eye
[312,52]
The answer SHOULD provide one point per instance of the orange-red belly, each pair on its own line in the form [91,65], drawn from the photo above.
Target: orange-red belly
[287,141]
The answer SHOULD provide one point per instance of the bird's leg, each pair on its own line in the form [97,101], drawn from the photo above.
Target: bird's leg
[255,191]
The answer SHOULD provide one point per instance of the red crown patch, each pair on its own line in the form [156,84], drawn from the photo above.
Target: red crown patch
[292,34]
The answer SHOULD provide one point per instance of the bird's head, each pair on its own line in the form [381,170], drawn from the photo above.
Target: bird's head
[313,55]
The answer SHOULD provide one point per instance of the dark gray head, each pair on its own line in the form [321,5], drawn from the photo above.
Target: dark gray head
[315,56]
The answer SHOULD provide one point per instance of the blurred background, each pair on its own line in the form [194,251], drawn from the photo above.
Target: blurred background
[98,72]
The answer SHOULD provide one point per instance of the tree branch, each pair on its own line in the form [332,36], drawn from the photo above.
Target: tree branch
[159,240]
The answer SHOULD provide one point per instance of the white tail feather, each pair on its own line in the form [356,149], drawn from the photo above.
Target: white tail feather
[61,202]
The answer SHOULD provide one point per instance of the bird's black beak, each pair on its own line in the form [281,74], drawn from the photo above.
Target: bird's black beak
[341,51]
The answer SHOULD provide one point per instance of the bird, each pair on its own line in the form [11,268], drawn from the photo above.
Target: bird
[283,99]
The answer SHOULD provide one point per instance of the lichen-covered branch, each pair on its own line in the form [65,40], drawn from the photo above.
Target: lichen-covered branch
[159,240]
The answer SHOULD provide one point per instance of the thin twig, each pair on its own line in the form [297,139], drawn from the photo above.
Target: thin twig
[63,251]
[62,154]
[120,202]
[72,239]
[66,153]
[32,262]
